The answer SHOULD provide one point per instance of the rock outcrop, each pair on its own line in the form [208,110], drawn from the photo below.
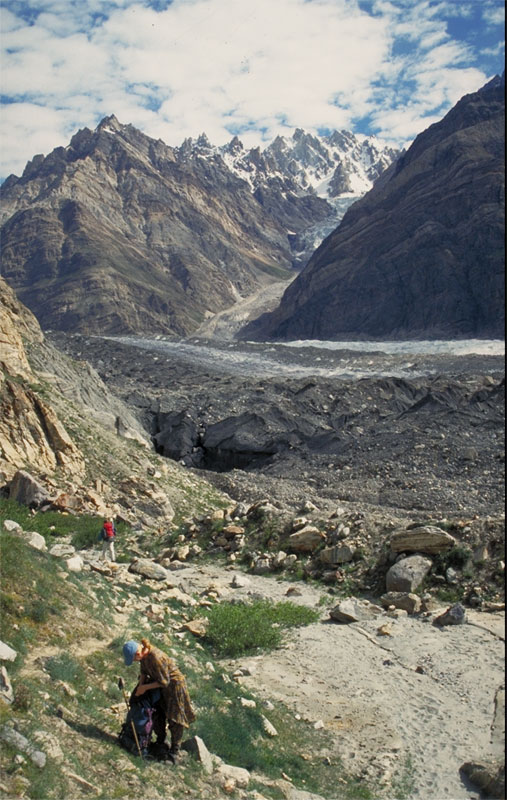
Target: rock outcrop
[66,442]
[30,431]
[422,254]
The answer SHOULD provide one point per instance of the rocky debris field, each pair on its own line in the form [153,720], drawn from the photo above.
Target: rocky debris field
[410,704]
[429,440]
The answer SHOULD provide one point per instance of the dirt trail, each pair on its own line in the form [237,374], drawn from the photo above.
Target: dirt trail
[386,716]
[365,687]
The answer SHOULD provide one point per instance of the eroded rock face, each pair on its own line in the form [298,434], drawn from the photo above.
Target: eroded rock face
[30,431]
[424,539]
[422,254]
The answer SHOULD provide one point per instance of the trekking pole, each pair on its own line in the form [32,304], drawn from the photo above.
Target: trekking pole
[121,685]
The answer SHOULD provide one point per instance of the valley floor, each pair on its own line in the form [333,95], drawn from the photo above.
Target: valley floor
[388,720]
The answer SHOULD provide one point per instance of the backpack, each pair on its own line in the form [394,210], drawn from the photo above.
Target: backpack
[109,530]
[140,714]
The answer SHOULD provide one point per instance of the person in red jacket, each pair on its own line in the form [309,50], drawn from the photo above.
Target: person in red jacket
[108,534]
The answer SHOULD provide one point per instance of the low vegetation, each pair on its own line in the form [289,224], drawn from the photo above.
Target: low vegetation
[65,681]
[237,629]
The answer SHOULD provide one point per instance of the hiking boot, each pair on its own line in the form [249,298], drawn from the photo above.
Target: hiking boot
[174,753]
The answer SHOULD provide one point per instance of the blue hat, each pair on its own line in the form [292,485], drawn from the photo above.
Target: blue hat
[129,651]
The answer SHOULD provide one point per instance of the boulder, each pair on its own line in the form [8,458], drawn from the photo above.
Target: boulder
[426,539]
[237,776]
[407,574]
[68,502]
[61,550]
[306,540]
[239,581]
[488,776]
[407,601]
[268,727]
[75,563]
[20,742]
[354,610]
[196,746]
[197,627]
[454,615]
[7,653]
[182,597]
[148,569]
[11,526]
[34,539]
[100,566]
[262,565]
[27,491]
[279,559]
[339,554]
[230,531]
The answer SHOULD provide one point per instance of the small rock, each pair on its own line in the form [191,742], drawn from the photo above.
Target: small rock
[268,727]
[10,525]
[454,615]
[7,653]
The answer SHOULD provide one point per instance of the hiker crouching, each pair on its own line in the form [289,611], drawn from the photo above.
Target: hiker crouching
[174,708]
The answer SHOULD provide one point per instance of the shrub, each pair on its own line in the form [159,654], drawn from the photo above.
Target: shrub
[456,557]
[239,628]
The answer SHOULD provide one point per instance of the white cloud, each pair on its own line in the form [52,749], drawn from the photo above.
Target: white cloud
[494,14]
[226,66]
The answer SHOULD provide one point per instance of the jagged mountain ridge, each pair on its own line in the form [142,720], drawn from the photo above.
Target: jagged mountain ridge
[118,232]
[292,176]
[422,254]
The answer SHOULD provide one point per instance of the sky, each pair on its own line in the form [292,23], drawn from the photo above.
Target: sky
[252,68]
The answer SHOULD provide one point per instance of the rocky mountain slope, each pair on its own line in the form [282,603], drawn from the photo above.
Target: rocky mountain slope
[306,182]
[422,254]
[118,232]
[67,441]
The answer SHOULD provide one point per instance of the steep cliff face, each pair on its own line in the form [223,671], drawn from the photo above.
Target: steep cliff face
[113,233]
[67,442]
[422,254]
[30,431]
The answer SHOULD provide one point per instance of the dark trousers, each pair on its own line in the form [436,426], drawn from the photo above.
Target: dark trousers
[159,727]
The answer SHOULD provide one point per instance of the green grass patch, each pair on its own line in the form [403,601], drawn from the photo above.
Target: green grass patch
[83,529]
[240,628]
[65,668]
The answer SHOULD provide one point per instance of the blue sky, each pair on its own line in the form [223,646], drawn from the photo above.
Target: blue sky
[256,68]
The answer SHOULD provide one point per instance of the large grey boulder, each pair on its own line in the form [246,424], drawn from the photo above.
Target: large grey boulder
[62,550]
[407,574]
[20,742]
[454,615]
[27,491]
[34,539]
